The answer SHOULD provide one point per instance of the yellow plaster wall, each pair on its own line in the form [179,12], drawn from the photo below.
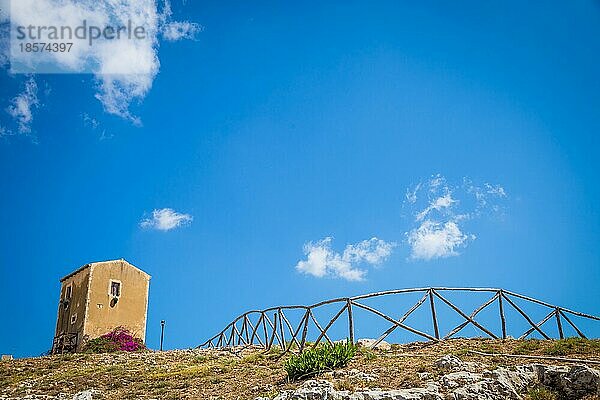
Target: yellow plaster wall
[131,308]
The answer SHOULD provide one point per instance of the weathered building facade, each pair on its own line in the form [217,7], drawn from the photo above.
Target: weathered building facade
[97,298]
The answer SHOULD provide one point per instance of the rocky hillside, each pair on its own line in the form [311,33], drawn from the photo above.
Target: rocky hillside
[455,369]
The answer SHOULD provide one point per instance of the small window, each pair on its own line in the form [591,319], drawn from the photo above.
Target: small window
[73,318]
[115,288]
[69,292]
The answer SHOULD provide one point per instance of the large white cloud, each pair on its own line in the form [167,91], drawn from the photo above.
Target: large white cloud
[124,68]
[436,240]
[322,260]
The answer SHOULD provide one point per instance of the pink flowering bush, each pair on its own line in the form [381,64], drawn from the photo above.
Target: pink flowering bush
[119,339]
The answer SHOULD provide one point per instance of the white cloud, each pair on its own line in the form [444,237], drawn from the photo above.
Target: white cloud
[485,194]
[124,68]
[90,121]
[495,190]
[436,182]
[411,195]
[116,92]
[436,240]
[95,125]
[174,31]
[322,260]
[165,219]
[22,106]
[441,210]
[441,203]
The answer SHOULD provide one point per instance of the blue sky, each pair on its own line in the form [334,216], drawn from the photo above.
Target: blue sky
[272,127]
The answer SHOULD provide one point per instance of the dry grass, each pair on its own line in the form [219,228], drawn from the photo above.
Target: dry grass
[204,374]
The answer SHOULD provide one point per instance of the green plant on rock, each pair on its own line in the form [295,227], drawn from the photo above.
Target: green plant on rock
[325,357]
[540,393]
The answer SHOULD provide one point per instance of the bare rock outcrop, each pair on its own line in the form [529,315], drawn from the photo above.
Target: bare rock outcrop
[571,382]
[463,381]
[368,343]
[321,389]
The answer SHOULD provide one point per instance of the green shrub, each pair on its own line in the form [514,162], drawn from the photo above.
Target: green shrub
[325,357]
[540,393]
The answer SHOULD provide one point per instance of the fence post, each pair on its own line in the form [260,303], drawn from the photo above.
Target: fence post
[559,323]
[350,321]
[304,330]
[502,318]
[433,315]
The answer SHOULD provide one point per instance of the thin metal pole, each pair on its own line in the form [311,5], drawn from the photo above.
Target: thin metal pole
[162,333]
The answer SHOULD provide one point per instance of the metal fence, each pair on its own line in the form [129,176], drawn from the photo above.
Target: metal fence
[272,327]
[65,343]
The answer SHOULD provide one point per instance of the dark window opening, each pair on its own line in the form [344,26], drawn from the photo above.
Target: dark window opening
[115,289]
[69,292]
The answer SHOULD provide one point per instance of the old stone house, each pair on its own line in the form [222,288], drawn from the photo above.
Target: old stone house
[97,298]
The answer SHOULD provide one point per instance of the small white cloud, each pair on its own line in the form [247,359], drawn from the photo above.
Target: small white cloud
[165,219]
[95,125]
[104,135]
[90,121]
[178,30]
[495,190]
[486,195]
[439,204]
[411,195]
[117,92]
[322,260]
[436,182]
[436,240]
[373,251]
[22,106]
